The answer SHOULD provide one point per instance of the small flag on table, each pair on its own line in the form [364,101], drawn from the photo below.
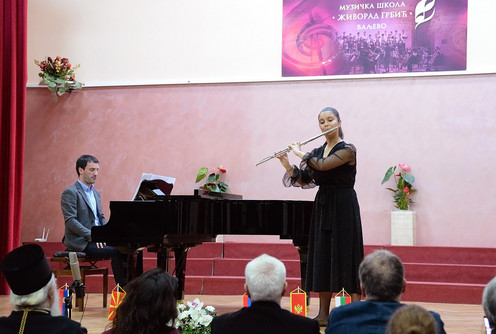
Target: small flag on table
[342,298]
[116,300]
[63,293]
[246,301]
[298,302]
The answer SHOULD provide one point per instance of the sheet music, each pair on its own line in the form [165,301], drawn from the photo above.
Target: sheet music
[151,177]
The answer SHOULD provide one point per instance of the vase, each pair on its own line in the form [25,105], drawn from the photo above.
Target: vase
[403,228]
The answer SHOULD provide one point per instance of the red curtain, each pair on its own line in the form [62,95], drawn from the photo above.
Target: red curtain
[13,79]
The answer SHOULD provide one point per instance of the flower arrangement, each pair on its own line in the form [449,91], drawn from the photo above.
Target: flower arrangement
[193,318]
[404,183]
[58,75]
[212,183]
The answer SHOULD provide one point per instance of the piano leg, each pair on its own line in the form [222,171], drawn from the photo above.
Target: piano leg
[134,265]
[180,255]
[163,257]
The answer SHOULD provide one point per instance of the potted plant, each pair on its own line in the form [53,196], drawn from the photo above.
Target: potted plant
[213,181]
[402,219]
[58,75]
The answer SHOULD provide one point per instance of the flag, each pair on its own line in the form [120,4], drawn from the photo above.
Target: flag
[115,301]
[342,298]
[63,292]
[246,301]
[298,302]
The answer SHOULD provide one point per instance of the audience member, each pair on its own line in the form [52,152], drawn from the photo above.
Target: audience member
[411,319]
[34,295]
[382,282]
[265,284]
[149,305]
[489,305]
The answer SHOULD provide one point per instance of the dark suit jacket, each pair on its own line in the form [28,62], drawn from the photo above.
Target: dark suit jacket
[368,317]
[40,323]
[263,318]
[79,217]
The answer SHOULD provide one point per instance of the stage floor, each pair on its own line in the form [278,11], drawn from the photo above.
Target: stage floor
[458,318]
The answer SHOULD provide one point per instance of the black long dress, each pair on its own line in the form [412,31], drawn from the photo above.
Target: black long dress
[335,243]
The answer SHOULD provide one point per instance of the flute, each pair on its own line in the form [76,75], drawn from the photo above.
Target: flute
[301,143]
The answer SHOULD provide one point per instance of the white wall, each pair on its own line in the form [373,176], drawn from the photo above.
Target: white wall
[126,42]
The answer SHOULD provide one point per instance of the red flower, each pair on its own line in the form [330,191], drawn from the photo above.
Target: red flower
[406,190]
[222,170]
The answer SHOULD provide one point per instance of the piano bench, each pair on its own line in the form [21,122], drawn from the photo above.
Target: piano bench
[86,270]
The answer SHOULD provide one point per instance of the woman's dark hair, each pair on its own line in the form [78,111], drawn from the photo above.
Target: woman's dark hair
[336,113]
[149,305]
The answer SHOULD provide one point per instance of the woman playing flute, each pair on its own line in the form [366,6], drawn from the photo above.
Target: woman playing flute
[335,244]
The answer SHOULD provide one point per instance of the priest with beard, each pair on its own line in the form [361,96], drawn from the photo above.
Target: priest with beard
[34,295]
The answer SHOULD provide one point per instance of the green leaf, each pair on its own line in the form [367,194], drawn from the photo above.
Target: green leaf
[388,174]
[211,178]
[201,174]
[60,80]
[408,178]
[223,187]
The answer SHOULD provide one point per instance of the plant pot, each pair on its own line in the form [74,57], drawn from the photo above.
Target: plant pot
[403,227]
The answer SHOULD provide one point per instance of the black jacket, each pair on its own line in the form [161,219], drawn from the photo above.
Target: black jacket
[263,318]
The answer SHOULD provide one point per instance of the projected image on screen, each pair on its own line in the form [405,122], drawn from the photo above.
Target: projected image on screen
[340,37]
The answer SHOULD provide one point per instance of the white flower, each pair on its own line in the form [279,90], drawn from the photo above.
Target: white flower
[193,318]
[206,320]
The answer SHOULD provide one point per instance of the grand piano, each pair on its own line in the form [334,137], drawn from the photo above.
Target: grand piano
[175,223]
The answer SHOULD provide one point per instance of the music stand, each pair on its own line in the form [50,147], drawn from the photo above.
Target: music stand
[151,186]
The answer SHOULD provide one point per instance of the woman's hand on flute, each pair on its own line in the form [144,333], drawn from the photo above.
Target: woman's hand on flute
[296,148]
[283,158]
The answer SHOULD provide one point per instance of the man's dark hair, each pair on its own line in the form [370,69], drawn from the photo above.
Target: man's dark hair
[382,274]
[83,160]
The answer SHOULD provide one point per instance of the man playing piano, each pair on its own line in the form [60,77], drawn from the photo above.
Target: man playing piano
[82,209]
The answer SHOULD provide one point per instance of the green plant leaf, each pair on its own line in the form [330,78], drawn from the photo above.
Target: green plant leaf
[60,80]
[408,178]
[201,174]
[211,178]
[388,174]
[223,187]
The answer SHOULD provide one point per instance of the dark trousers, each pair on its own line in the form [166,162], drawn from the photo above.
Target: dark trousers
[117,259]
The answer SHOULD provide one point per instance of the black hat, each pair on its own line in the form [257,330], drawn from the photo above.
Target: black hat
[26,269]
